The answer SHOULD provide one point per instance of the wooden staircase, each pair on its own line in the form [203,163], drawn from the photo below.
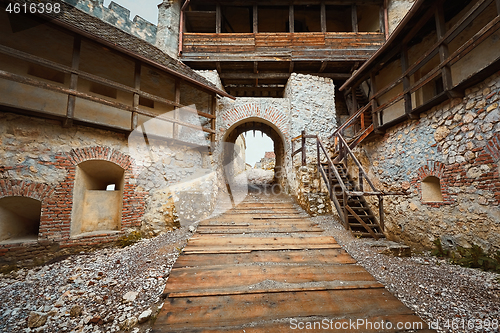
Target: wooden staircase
[348,196]
[360,208]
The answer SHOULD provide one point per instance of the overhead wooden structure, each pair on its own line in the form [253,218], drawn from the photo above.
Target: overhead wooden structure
[256,45]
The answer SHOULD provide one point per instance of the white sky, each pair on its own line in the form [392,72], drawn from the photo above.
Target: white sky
[147,9]
[257,147]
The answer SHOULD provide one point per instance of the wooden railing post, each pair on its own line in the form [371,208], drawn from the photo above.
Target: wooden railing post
[360,180]
[381,212]
[304,160]
[346,218]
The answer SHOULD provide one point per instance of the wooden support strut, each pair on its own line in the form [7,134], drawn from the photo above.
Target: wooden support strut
[175,132]
[255,19]
[323,17]
[354,17]
[137,85]
[406,82]
[75,63]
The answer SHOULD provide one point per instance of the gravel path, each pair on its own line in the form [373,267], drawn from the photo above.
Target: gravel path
[112,289]
[101,291]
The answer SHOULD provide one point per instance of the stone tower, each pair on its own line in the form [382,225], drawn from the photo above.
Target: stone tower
[167,37]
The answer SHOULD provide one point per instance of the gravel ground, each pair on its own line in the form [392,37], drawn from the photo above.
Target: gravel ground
[102,291]
[442,294]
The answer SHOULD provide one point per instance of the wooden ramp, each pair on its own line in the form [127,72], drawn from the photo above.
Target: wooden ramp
[251,271]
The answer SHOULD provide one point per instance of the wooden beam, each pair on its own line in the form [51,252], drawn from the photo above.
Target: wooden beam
[386,19]
[75,63]
[354,100]
[255,19]
[290,68]
[375,115]
[256,71]
[323,66]
[252,76]
[354,17]
[335,76]
[254,89]
[137,85]
[213,108]
[291,19]
[444,52]
[323,16]
[382,21]
[175,133]
[218,19]
[406,79]
[498,7]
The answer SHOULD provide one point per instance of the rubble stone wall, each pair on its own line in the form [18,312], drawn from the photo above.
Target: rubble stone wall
[397,9]
[457,142]
[312,108]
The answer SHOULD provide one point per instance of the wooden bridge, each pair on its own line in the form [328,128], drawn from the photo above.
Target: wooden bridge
[264,266]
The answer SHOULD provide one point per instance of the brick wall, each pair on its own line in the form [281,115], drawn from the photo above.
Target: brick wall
[57,205]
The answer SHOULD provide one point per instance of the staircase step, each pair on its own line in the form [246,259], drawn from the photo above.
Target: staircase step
[362,216]
[370,225]
[367,234]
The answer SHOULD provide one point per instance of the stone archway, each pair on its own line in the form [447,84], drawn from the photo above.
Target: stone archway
[259,124]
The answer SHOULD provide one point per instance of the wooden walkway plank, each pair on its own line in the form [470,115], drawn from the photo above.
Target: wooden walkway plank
[240,309]
[329,324]
[228,278]
[314,257]
[233,276]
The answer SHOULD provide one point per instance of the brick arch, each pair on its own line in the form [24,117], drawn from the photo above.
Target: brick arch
[80,155]
[23,188]
[254,110]
[438,170]
[433,168]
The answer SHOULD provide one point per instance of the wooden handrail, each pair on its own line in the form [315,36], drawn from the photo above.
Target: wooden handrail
[351,119]
[331,165]
[357,163]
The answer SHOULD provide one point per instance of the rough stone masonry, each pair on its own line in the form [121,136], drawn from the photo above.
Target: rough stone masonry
[459,143]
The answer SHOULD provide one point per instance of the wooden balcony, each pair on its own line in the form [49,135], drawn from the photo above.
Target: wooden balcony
[309,46]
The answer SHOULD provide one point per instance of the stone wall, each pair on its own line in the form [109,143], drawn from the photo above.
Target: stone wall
[39,159]
[397,10]
[312,108]
[119,17]
[457,142]
[167,38]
